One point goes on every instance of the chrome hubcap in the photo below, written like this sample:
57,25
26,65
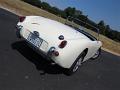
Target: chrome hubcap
96,54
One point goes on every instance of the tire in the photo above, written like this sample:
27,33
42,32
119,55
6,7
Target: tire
97,54
18,34
76,64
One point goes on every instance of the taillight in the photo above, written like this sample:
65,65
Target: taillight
21,18
63,44
56,53
61,37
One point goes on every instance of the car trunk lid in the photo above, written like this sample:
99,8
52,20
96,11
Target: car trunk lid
52,29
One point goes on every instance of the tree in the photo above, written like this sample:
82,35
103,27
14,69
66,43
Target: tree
78,12
101,26
34,2
70,11
101,23
45,6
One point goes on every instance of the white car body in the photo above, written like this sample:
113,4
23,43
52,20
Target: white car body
49,31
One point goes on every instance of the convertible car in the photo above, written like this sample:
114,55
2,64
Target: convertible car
62,44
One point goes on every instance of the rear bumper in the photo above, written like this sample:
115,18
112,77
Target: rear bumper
46,55
18,31
42,53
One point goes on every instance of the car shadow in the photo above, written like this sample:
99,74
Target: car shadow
41,63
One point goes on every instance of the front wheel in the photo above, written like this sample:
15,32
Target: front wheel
76,64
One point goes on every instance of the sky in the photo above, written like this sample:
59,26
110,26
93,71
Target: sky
107,10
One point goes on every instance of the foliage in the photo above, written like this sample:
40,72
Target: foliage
34,2
70,11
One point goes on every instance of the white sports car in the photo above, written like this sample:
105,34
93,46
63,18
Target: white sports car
60,43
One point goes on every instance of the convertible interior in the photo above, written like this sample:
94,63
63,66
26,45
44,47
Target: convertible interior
87,34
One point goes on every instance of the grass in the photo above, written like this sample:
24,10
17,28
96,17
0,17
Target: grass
23,8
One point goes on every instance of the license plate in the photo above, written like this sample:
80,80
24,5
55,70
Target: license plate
35,40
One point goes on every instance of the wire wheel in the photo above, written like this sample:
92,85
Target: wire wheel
97,54
76,64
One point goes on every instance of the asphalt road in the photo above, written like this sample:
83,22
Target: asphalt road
23,69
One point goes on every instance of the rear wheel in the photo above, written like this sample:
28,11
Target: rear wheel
97,54
76,64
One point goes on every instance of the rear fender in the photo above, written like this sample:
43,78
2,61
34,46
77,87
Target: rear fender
68,55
